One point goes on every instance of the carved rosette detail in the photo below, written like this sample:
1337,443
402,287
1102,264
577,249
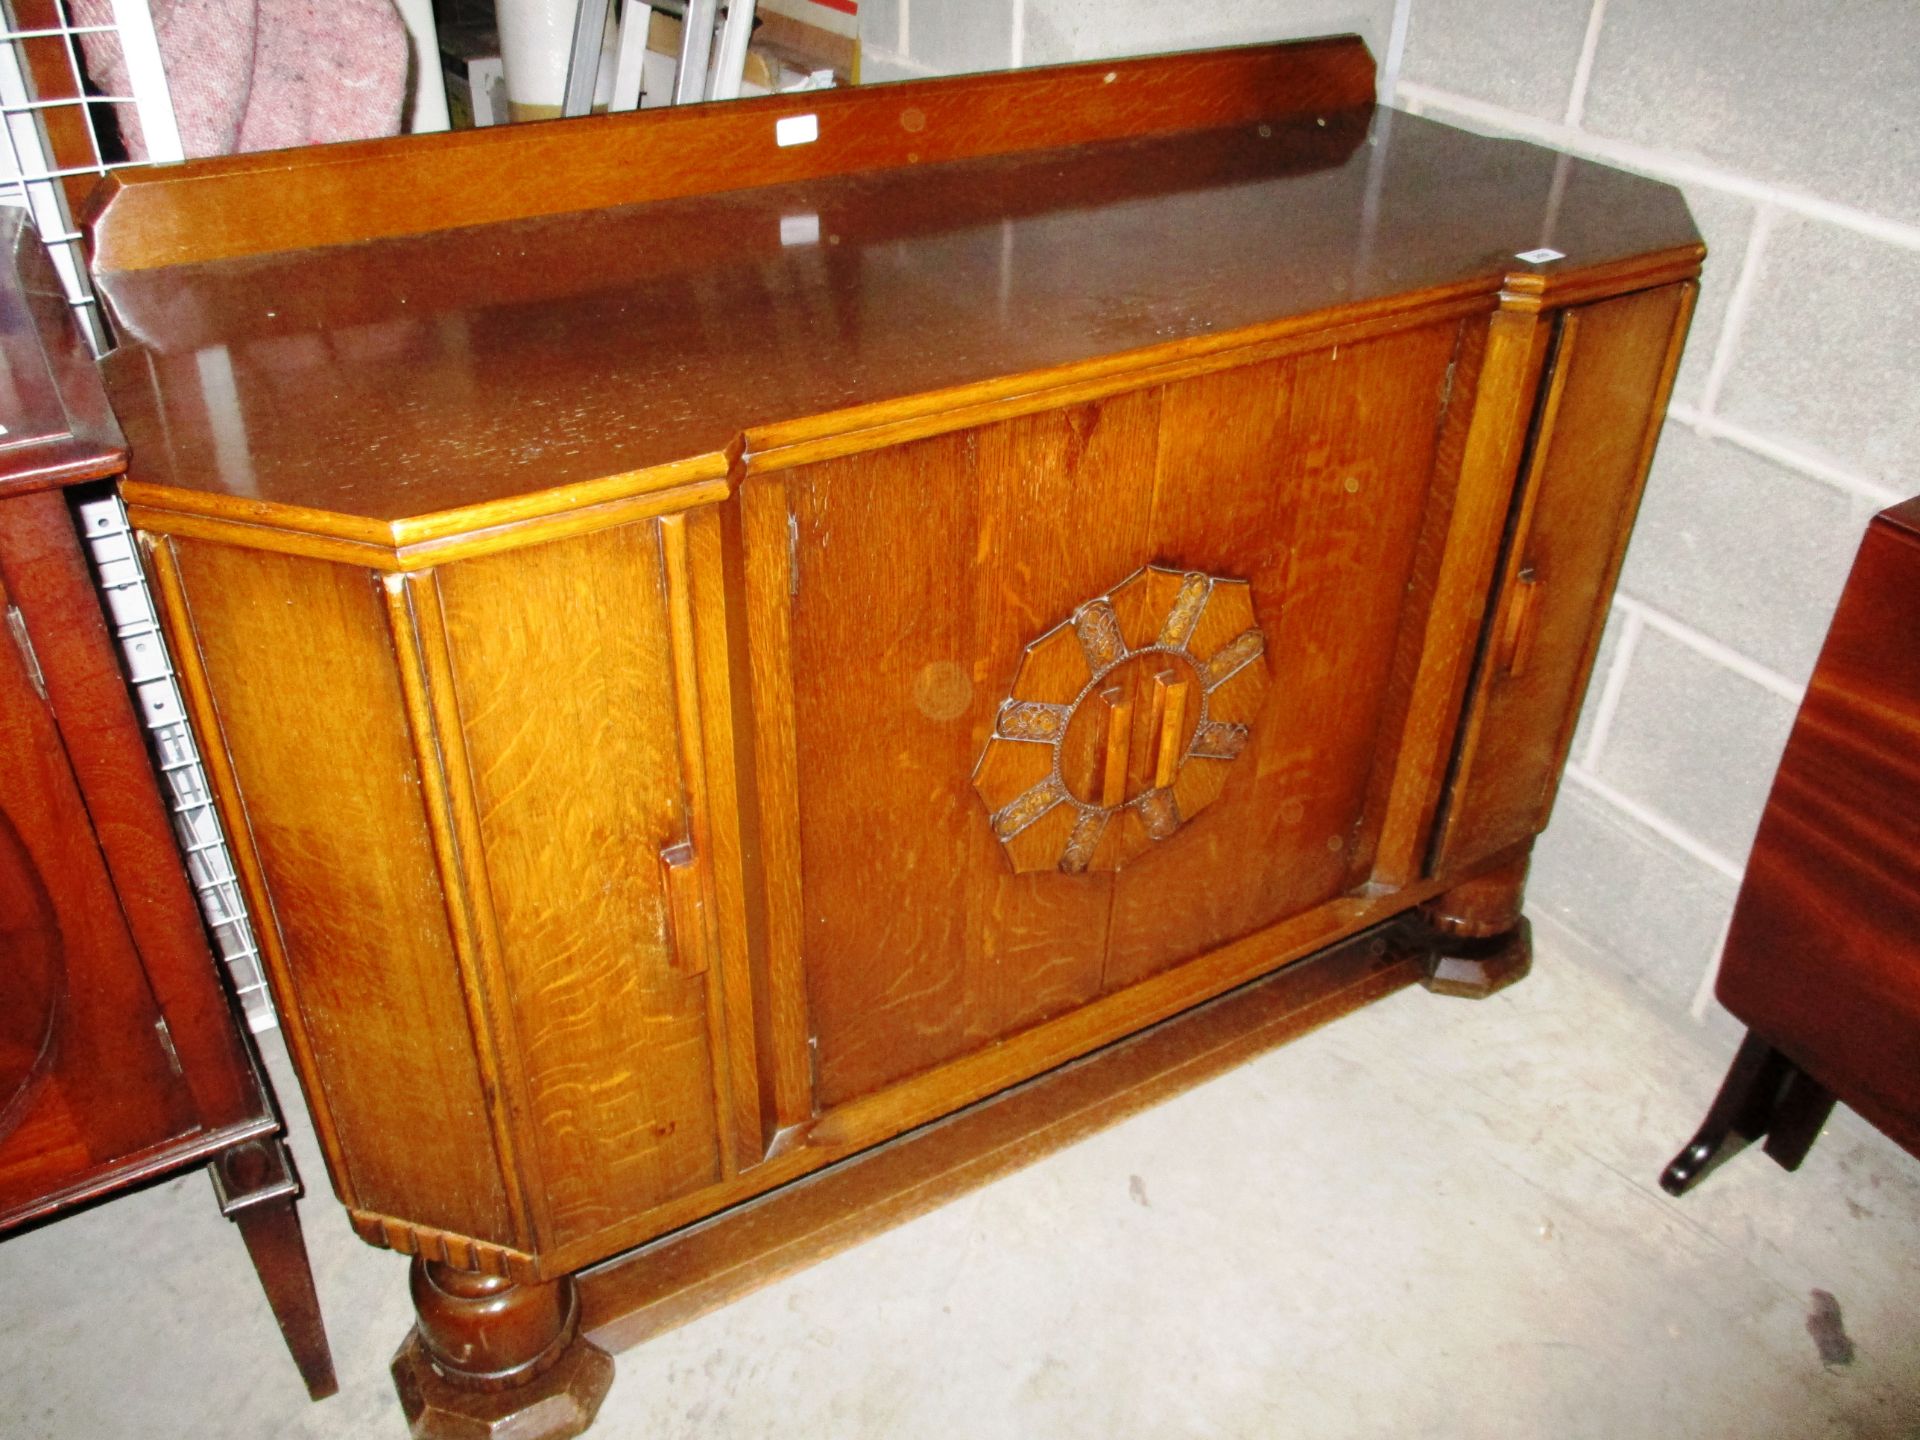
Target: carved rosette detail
1123,721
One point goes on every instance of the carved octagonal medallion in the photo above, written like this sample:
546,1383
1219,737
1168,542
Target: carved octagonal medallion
1123,720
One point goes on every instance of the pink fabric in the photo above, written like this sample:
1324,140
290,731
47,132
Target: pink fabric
263,74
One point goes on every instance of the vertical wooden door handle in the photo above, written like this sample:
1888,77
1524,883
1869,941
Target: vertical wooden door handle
686,908
1169,726
1523,620
1113,782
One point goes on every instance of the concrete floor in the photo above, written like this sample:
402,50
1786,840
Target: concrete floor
1431,1219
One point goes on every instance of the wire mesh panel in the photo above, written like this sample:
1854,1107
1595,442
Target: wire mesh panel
61,134
183,778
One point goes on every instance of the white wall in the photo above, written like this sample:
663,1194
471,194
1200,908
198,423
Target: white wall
901,38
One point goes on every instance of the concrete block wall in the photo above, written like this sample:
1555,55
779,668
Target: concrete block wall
1796,414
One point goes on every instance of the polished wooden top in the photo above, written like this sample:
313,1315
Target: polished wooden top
402,386
58,429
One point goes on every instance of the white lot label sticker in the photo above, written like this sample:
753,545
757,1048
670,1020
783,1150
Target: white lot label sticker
796,130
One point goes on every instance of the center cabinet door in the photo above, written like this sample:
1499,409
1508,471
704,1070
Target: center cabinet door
1080,695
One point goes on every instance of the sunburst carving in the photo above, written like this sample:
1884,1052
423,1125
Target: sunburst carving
1123,720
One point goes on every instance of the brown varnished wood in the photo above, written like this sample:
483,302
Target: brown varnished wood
44,571
857,1125
494,1357
1513,354
1062,517
664,568
102,1063
846,334
170,598
247,205
1310,481
854,666
1820,960
59,429
1036,517
329,801
1402,783
257,1187
576,802
1601,417
768,539
425,669
704,716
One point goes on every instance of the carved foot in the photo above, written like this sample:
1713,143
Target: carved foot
489,1359
1764,1095
256,1186
1474,969
1476,940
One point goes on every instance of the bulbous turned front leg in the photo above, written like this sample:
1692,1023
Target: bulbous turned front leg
1478,941
491,1359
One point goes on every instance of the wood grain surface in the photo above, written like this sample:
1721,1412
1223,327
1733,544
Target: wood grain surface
328,800
606,616
1821,959
626,348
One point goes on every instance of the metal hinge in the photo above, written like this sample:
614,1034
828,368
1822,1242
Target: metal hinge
17,623
166,1044
793,556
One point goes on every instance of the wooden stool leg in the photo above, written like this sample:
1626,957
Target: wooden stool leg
257,1187
492,1359
1477,940
1764,1095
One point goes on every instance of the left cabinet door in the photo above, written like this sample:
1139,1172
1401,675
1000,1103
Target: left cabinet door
86,1078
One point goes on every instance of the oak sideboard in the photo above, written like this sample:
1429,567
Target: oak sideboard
807,650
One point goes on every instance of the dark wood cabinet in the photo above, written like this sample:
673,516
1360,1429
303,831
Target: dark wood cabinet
744,650
1822,962
120,1057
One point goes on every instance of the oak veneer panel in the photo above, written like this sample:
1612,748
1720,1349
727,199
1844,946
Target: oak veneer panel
1064,516
879,802
564,676
1310,478
242,205
522,347
1599,420
906,638
308,699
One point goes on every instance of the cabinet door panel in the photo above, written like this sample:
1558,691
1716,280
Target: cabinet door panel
923,572
301,662
931,579
1309,478
564,674
84,1075
1601,411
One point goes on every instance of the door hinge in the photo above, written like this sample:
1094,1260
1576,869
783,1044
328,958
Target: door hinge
793,556
166,1043
17,623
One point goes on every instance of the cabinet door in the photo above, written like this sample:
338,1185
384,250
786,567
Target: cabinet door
1600,415
85,1076
475,797
995,642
